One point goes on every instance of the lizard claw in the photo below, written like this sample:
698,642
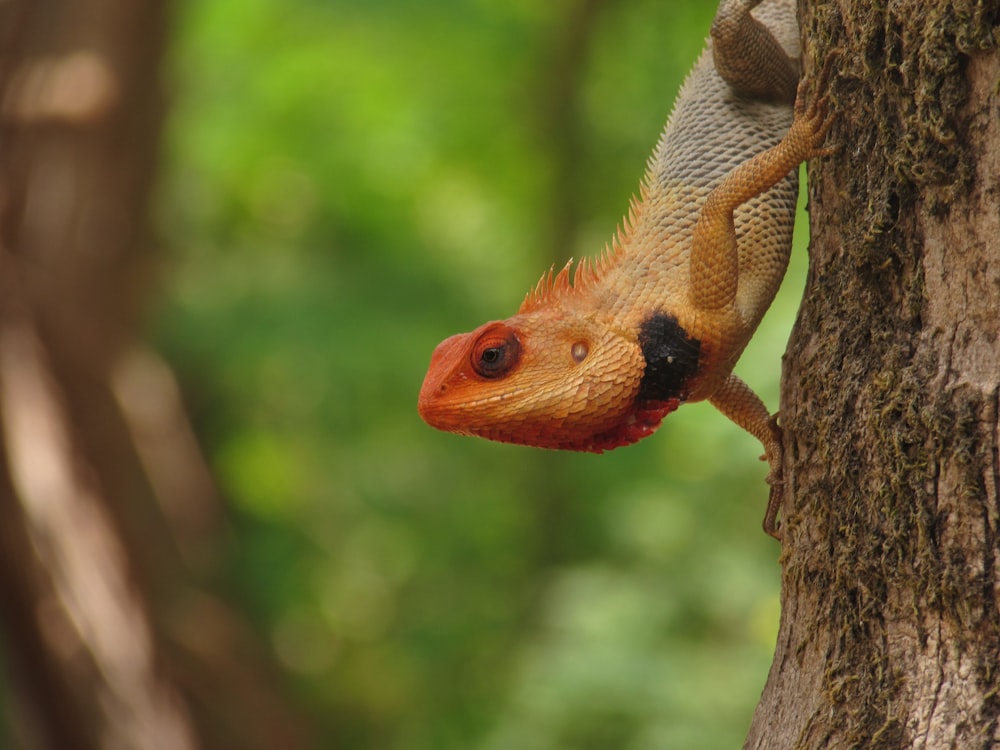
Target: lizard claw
776,479
812,112
771,526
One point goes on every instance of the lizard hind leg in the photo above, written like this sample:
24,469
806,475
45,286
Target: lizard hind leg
748,56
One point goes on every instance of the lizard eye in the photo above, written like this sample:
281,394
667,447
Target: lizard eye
495,353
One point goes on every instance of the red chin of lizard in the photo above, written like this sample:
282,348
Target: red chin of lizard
634,426
637,424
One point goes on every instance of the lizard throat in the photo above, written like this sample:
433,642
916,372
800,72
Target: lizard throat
671,362
640,423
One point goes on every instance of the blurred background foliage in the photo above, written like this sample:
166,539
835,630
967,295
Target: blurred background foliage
345,183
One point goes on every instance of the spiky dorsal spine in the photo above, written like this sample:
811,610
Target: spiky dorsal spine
589,271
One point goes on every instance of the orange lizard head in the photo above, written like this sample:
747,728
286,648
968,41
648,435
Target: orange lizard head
550,378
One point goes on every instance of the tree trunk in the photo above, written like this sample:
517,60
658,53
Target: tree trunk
890,627
107,511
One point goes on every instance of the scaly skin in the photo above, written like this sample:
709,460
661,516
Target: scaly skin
663,316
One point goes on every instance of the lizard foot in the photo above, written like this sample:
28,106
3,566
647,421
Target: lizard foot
776,479
813,119
771,526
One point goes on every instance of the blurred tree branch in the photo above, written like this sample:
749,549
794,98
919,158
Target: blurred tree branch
109,514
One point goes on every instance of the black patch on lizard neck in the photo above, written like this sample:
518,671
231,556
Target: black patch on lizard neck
671,358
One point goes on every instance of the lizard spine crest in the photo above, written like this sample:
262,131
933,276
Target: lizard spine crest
588,271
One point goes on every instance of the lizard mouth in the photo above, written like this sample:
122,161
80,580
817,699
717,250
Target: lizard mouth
449,370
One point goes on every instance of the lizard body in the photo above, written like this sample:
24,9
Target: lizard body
596,362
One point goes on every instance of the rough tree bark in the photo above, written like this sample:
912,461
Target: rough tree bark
108,515
890,629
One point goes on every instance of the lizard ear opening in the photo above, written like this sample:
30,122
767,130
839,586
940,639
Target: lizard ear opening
496,352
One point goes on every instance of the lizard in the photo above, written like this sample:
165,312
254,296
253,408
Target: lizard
597,361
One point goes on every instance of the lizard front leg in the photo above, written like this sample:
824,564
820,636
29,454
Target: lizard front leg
739,403
715,266
714,256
